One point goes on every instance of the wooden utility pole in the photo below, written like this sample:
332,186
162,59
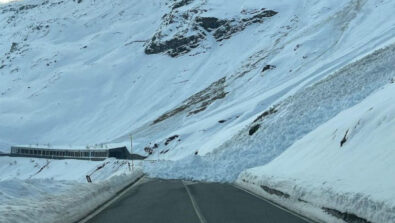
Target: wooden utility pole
131,151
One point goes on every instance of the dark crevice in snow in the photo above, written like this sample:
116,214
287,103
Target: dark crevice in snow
347,217
344,140
41,169
275,192
272,110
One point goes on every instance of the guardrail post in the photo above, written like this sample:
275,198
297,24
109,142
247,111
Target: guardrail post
88,178
129,167
131,151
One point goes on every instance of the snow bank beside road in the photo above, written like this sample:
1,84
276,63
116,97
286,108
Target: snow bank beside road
59,192
346,164
56,201
74,170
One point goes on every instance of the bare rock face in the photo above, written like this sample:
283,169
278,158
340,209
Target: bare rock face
178,33
210,23
235,25
199,101
185,27
177,46
181,3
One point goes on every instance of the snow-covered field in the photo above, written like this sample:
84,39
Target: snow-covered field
39,190
211,87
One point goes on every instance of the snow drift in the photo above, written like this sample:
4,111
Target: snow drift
345,164
48,191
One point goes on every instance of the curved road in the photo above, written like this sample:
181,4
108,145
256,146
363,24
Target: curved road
176,201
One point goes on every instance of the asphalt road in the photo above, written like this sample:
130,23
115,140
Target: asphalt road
175,201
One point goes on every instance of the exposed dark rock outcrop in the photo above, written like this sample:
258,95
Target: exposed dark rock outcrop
148,150
253,129
14,47
268,67
181,3
210,23
164,151
185,28
199,101
176,46
27,7
209,95
258,15
170,139
22,8
224,29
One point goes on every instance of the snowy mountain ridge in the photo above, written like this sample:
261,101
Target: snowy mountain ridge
211,87
94,84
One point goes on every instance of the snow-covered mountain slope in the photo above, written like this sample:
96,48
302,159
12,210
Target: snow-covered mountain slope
198,72
211,87
351,157
278,127
279,67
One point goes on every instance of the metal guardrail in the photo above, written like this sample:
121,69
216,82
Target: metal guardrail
139,158
57,157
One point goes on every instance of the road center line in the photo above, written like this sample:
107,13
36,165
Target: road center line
194,204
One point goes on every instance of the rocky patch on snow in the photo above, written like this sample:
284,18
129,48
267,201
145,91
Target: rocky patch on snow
224,29
162,147
185,28
179,4
268,67
199,101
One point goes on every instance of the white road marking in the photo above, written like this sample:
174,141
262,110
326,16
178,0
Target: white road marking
274,204
187,183
111,201
194,204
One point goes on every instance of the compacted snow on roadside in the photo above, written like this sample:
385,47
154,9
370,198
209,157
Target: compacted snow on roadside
39,190
346,164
